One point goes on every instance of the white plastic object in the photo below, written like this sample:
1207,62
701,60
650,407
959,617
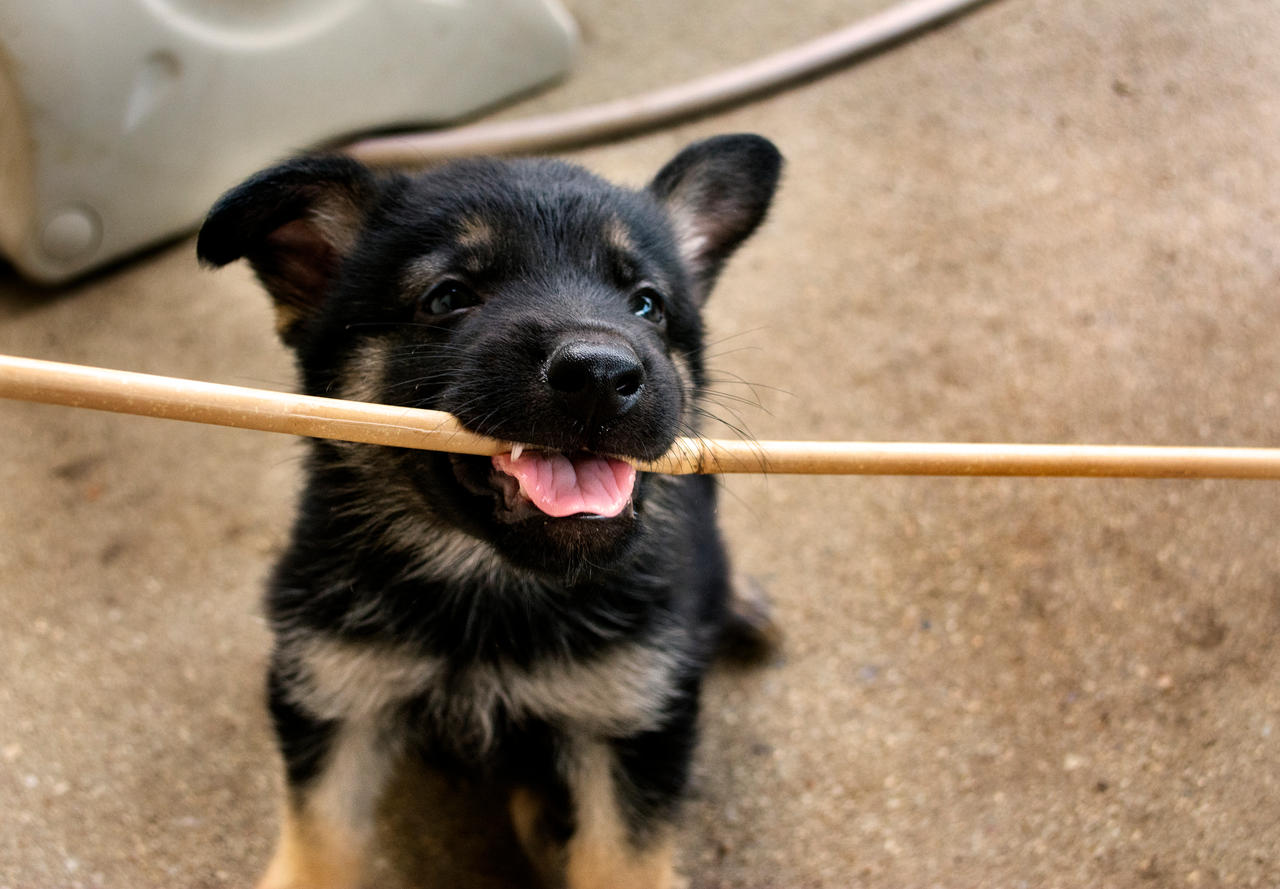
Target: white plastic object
122,120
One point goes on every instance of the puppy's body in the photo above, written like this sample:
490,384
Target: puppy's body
543,619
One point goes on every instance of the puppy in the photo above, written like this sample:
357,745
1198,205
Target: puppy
542,619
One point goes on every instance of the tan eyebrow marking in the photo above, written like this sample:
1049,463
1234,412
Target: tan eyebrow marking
475,263
422,272
621,250
617,235
477,243
475,234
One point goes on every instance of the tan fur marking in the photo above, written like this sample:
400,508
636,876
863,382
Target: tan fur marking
324,834
525,808
600,853
312,855
421,273
621,691
337,217
365,372
690,236
352,681
287,315
475,233
684,373
617,235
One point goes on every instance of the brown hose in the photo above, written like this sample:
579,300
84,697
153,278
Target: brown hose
616,118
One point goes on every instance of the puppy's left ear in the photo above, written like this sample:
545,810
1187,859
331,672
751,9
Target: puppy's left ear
294,223
717,192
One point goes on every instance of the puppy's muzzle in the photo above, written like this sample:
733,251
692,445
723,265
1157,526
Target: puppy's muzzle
594,381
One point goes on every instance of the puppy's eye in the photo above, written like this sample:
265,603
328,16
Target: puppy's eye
447,297
647,303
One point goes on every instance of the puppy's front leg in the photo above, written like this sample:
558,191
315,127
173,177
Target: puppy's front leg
615,845
335,772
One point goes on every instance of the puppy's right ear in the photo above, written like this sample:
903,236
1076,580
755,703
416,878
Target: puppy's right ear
294,223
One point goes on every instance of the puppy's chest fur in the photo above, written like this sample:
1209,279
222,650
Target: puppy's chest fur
620,690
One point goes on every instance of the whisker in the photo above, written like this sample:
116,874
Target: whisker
712,356
733,336
740,431
729,397
738,380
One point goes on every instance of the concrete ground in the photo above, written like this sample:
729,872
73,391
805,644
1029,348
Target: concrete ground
1046,222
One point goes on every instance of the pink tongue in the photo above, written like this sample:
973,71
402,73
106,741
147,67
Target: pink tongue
564,486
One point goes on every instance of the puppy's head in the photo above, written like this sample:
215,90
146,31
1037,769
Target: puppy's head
531,299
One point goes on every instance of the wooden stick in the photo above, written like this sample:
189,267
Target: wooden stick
925,458
51,382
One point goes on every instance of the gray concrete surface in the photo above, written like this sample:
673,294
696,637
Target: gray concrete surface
1047,222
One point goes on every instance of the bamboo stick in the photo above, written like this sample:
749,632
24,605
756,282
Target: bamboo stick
49,382
944,458
74,385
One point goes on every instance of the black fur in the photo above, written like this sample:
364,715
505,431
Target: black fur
539,304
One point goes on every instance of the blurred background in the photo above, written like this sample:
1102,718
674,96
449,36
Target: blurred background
1045,222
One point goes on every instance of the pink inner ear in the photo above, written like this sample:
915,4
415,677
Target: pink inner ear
691,237
299,263
296,234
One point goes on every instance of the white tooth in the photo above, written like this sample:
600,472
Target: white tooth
516,451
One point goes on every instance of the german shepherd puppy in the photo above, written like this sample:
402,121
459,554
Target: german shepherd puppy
544,618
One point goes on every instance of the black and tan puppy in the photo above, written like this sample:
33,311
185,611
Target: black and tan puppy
542,619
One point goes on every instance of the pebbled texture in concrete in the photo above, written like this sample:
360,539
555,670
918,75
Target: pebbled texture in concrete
1045,222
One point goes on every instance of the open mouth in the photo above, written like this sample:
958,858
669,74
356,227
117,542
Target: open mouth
561,484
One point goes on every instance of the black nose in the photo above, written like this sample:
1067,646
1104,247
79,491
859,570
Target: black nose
595,382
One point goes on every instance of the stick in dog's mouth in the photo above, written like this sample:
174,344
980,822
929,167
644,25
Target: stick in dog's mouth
561,484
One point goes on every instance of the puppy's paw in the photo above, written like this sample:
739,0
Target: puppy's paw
751,636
